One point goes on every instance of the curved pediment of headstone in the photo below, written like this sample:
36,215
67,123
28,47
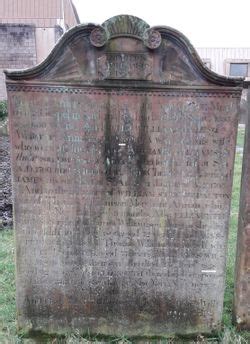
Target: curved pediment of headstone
124,48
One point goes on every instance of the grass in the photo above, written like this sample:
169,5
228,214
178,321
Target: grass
240,137
8,334
233,233
7,288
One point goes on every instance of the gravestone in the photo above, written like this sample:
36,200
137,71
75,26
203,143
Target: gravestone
122,156
242,272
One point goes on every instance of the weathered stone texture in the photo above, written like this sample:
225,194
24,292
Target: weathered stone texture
122,181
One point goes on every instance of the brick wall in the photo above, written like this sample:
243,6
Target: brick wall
17,49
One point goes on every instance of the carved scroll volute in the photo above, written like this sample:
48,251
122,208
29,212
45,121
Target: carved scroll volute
152,38
98,37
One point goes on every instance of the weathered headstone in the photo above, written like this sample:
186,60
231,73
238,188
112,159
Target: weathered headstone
242,272
122,155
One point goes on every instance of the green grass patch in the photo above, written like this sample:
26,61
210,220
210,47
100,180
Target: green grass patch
7,288
240,137
228,299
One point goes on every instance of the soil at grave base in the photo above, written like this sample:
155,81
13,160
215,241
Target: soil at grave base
5,184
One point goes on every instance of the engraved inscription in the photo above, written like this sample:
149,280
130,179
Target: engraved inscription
130,199
125,66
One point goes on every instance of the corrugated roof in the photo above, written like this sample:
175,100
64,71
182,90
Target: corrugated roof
42,13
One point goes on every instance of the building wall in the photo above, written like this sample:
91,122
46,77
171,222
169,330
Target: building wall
41,13
29,30
220,57
45,41
17,49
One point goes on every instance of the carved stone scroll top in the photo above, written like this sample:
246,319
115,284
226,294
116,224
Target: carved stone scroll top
151,38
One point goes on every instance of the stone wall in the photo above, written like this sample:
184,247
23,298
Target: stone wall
17,49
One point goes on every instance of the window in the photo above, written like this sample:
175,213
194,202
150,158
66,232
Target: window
238,69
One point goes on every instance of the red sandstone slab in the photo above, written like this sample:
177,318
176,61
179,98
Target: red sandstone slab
122,157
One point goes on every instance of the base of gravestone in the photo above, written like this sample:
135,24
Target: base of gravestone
38,337
75,339
45,329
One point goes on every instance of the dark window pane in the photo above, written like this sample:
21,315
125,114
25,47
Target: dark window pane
238,69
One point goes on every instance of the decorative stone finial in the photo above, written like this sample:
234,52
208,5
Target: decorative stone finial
126,26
